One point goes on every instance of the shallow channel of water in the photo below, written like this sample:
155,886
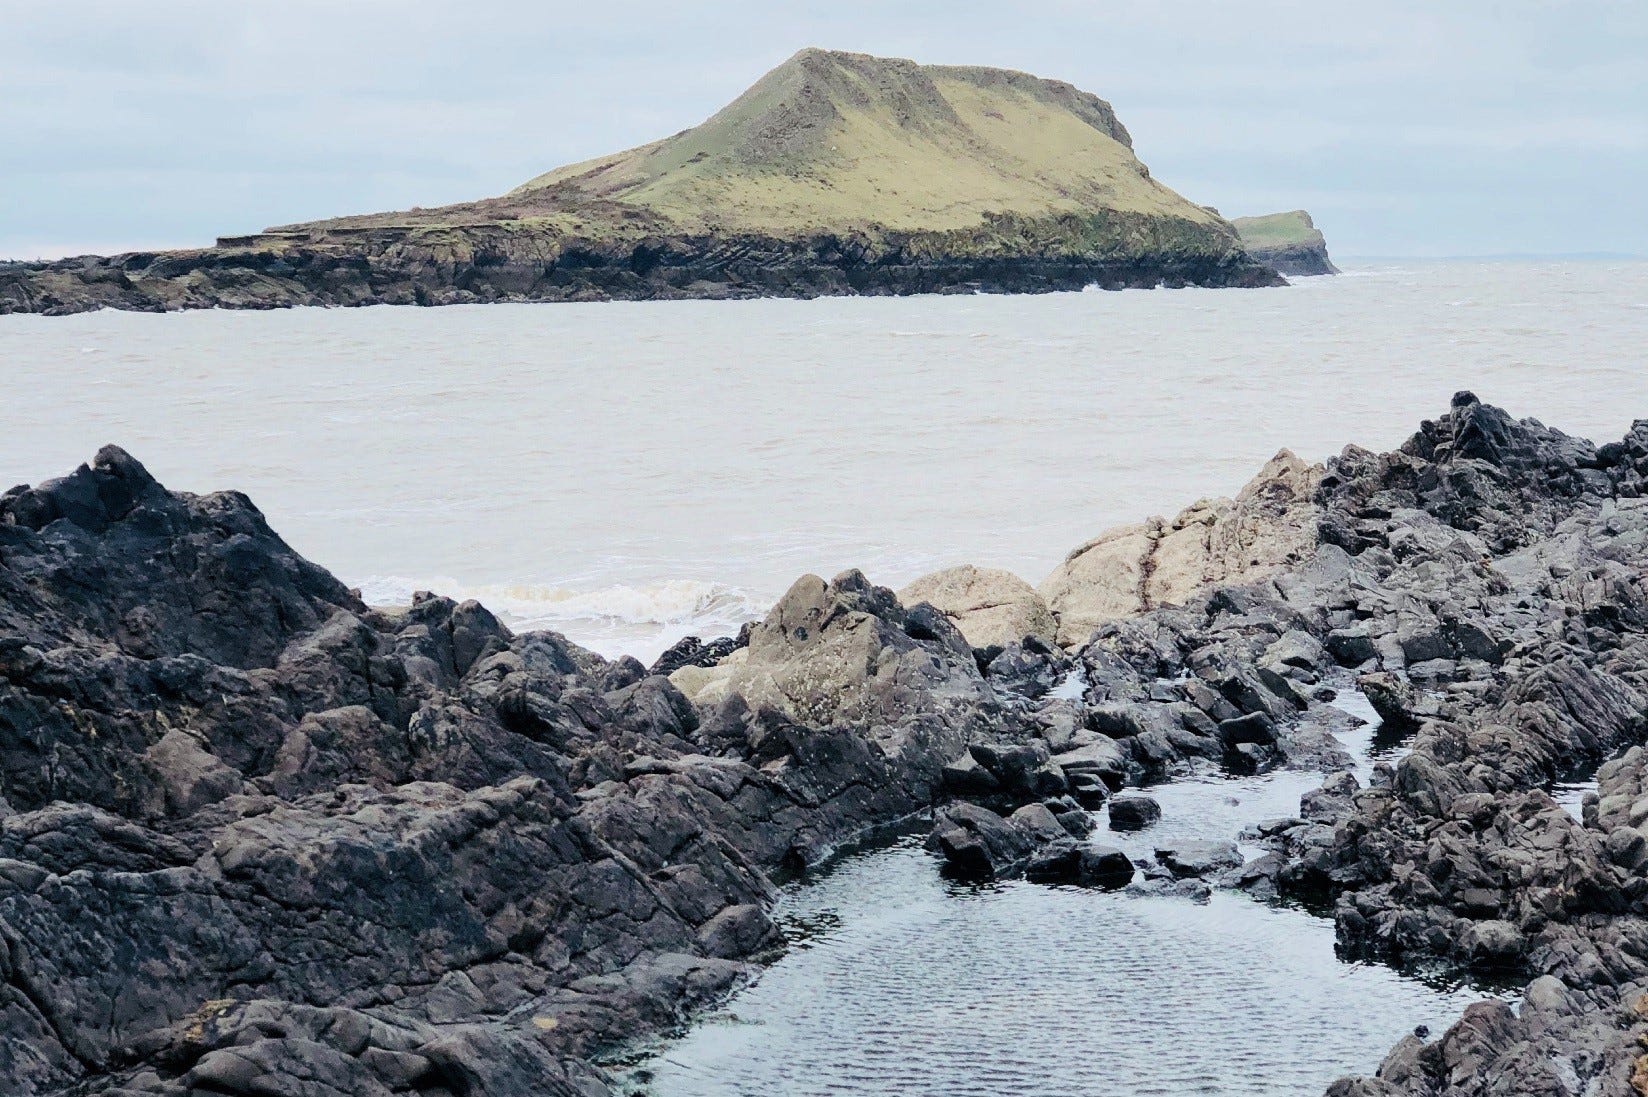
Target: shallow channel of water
900,982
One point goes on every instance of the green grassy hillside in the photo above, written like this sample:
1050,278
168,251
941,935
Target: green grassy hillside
1290,242
836,173
1279,230
828,140
844,142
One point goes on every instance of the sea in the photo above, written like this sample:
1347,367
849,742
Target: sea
630,473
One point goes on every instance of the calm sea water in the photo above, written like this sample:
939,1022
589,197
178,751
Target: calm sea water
631,472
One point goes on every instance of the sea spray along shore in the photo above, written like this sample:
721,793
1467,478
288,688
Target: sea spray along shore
259,837
621,619
836,173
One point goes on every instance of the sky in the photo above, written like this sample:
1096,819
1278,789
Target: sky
1407,129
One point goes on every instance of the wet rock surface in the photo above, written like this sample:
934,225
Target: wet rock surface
258,837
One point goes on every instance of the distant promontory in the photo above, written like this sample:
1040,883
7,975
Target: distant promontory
836,173
1290,242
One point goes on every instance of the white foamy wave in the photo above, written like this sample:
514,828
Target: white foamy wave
620,619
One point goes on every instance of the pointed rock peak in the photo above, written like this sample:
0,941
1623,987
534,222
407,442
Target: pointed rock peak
92,496
116,463
1287,474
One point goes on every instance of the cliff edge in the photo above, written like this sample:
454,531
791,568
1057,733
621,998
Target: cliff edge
1290,242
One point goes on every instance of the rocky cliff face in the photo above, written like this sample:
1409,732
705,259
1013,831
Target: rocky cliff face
835,173
256,837
1290,242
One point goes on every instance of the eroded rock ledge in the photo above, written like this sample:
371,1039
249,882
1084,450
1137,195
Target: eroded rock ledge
258,837
490,263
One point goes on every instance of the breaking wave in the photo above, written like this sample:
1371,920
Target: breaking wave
619,619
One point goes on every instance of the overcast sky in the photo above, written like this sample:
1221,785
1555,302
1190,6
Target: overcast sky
1460,128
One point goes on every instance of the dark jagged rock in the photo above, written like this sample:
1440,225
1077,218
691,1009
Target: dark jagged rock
1495,603
690,651
978,844
1198,859
1485,582
1133,812
1067,861
1029,668
1104,866
257,837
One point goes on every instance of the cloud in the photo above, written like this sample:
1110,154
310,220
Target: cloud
176,120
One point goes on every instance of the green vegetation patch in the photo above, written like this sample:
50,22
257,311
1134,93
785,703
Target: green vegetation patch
1279,230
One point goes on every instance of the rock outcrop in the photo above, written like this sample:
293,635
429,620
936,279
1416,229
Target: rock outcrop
1160,562
836,173
256,837
1484,584
1493,582
260,837
1290,242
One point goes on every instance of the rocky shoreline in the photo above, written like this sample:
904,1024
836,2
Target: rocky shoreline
258,837
487,265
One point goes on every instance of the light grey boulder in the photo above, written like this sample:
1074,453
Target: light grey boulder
990,606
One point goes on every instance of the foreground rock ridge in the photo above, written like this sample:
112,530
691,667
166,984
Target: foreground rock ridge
257,837
836,173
